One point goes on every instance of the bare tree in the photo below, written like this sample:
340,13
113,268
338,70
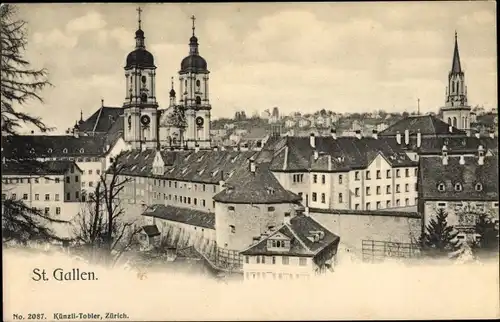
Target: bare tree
102,229
19,82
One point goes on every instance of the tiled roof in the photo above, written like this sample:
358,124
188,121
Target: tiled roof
455,144
433,172
296,153
38,146
380,212
33,167
259,187
151,230
102,120
427,124
182,215
298,230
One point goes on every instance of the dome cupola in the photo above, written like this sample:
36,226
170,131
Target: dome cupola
140,57
194,62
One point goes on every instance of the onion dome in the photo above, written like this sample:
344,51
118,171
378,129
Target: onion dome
194,62
140,57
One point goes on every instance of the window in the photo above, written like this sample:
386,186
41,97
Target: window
204,188
441,187
77,195
368,176
91,184
58,210
378,205
215,188
407,188
189,200
379,190
356,175
302,261
315,178
368,206
398,174
458,187
397,202
407,202
287,215
340,179
323,198
263,260
47,210
90,171
258,259
213,204
407,173
195,201
274,260
230,208
356,192
270,209
285,260
67,179
57,180
388,204
247,259
340,198
441,204
379,174
25,196
203,202
47,180
314,196
36,180
323,179
388,174
356,206
76,178
47,197
37,196
397,188
479,187
368,192
232,229
14,196
416,172
68,196
98,171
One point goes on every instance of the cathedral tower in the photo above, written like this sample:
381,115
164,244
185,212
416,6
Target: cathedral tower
193,95
456,111
140,106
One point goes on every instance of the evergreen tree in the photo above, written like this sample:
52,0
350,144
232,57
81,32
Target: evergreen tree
439,240
487,232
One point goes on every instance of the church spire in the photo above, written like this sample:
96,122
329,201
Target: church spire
172,91
139,34
456,67
193,41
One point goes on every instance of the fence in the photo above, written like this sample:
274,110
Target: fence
375,251
228,259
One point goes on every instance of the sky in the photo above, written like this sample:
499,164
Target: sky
344,57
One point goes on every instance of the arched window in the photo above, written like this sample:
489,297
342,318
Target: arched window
144,97
441,187
479,187
458,187
449,121
455,122
466,125
198,100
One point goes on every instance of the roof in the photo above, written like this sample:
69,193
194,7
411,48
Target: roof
33,167
182,215
298,230
454,144
456,67
259,187
427,124
433,172
151,230
340,154
102,120
398,212
141,58
53,146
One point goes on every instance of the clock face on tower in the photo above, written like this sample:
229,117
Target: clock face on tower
200,121
145,120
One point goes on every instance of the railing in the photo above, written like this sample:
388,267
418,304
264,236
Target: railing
375,251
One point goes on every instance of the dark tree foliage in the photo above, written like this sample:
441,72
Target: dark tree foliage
439,239
19,82
487,231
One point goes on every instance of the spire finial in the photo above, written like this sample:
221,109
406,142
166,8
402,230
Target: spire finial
102,102
193,18
81,115
456,35
418,106
139,10
172,81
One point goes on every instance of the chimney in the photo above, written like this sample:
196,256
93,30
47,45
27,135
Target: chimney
375,134
252,166
358,134
407,137
492,134
216,149
462,160
444,152
477,134
312,140
306,211
196,147
333,133
480,152
398,137
255,240
316,155
419,139
450,129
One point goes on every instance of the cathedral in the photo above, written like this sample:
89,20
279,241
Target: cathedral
184,124
456,111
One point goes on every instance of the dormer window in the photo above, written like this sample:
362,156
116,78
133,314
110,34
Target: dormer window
49,151
441,187
81,150
458,187
479,187
65,150
270,209
230,208
232,228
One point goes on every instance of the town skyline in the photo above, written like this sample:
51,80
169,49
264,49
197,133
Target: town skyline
272,59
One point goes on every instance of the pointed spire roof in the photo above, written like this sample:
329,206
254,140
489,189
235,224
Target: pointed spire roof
456,68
